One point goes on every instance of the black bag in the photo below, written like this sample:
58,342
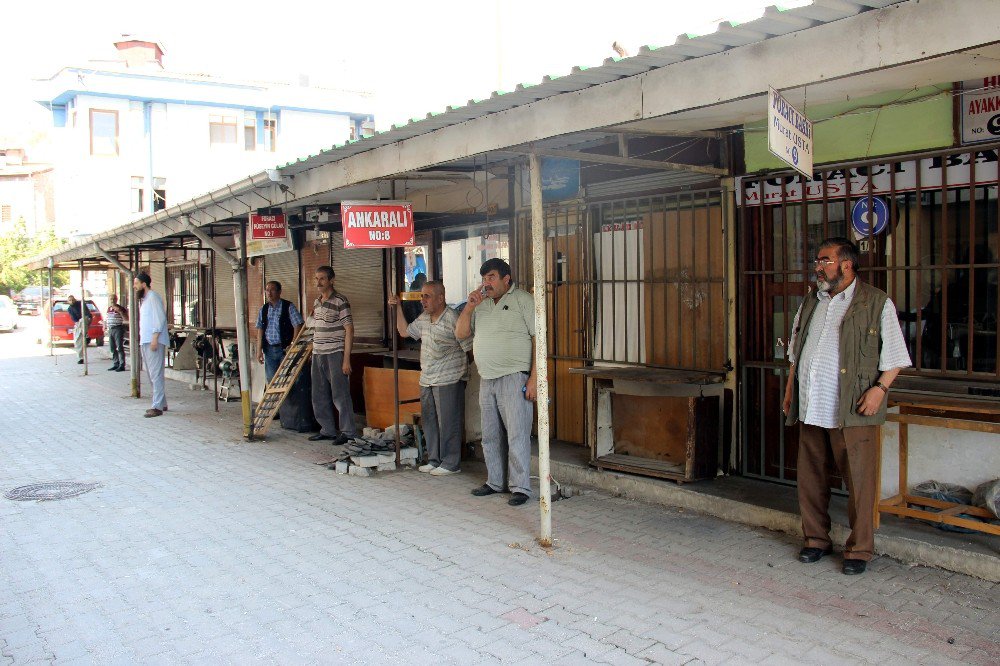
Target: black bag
296,411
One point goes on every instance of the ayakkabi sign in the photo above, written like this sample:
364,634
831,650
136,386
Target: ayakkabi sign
377,223
789,133
981,110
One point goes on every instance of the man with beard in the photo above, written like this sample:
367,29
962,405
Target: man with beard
444,370
845,351
502,318
153,339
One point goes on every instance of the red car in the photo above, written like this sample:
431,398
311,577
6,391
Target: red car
62,323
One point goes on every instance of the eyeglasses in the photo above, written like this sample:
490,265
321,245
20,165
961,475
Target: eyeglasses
825,262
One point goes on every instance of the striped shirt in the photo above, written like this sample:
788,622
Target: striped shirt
331,316
819,371
113,318
442,355
503,333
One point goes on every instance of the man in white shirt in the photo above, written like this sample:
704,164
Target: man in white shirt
845,351
153,339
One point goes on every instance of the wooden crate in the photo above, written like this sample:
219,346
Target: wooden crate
380,411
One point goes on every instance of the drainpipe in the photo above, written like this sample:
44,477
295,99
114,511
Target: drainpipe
133,319
147,124
541,349
83,317
242,330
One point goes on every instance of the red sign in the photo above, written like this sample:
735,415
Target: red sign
377,223
263,227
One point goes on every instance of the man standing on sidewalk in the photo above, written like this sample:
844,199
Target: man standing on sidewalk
80,322
278,322
502,318
114,326
153,339
444,369
333,339
845,351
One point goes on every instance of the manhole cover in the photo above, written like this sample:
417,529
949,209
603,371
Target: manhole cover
52,490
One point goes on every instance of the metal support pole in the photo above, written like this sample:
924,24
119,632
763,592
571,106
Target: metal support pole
83,317
133,329
541,349
391,254
48,306
133,316
242,332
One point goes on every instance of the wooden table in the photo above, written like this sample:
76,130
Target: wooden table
936,412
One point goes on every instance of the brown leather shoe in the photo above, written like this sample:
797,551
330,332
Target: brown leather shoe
150,413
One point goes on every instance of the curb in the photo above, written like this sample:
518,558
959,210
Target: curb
908,551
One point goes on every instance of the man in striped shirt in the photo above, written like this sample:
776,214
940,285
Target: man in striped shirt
443,374
114,324
845,351
333,338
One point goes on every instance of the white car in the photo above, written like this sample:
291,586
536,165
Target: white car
8,314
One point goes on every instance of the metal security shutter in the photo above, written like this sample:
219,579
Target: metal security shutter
284,267
158,274
359,277
225,300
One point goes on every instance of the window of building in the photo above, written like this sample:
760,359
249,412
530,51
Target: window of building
463,251
103,132
250,130
5,214
137,194
270,134
221,130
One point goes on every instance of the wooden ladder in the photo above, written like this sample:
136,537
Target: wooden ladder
296,357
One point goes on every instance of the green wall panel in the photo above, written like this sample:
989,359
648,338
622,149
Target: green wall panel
885,124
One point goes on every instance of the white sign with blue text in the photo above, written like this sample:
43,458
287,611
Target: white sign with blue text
789,134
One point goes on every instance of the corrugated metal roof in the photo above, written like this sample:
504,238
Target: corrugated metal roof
773,22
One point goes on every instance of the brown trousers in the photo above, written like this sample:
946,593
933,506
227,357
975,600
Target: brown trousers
854,452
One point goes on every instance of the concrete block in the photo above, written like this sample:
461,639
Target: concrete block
388,466
386,457
371,432
408,453
365,461
361,471
343,467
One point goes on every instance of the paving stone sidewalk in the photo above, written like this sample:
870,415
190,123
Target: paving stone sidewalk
201,548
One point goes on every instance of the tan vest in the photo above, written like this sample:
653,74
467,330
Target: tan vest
860,348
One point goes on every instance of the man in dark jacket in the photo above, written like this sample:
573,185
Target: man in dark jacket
846,349
278,322
80,323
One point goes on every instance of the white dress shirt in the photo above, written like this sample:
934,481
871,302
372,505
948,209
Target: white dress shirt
819,370
152,319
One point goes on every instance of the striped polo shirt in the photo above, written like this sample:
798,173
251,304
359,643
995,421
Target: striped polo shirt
503,333
442,355
819,367
331,316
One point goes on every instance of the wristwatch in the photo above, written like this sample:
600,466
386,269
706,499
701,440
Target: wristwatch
885,389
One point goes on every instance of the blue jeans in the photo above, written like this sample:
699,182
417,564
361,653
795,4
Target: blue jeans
273,354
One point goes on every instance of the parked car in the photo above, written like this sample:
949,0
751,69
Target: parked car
62,323
29,299
8,314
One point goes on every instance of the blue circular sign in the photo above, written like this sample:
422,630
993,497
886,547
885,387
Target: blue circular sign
872,221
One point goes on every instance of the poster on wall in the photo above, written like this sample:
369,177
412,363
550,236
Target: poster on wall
980,110
789,134
377,223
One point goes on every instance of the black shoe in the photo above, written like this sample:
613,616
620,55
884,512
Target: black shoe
517,499
318,437
854,567
113,368
341,439
80,362
484,490
810,555
121,368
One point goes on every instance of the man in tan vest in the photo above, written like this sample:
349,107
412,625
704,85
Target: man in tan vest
845,351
